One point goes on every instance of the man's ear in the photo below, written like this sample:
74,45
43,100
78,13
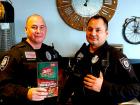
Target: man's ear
107,33
25,28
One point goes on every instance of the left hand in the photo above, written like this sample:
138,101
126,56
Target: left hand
93,83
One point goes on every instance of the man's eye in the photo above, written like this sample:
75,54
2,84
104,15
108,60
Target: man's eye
90,29
98,30
33,27
42,27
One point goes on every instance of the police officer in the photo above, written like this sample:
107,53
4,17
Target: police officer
18,69
102,75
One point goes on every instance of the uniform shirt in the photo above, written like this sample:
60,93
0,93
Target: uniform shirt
120,82
18,72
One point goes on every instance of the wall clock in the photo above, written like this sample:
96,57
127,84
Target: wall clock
76,13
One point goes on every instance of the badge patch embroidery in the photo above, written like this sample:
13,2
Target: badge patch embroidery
4,63
125,63
48,55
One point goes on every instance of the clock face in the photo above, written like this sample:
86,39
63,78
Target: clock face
76,13
87,8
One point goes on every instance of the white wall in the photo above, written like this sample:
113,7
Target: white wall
125,9
66,39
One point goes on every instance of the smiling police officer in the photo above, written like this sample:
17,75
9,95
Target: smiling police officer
102,75
18,69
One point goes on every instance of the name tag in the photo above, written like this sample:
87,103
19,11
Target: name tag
30,54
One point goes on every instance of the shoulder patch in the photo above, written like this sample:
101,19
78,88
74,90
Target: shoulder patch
125,63
48,55
4,63
80,56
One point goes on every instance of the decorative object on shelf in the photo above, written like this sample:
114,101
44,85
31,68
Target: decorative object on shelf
76,13
2,11
131,30
7,26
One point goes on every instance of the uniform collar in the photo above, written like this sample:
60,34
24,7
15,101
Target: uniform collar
101,48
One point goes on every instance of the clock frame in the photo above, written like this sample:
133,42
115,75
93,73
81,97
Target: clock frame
78,22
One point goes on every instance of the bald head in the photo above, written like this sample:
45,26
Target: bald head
34,16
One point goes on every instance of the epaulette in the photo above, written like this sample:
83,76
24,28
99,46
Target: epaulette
48,47
116,52
19,45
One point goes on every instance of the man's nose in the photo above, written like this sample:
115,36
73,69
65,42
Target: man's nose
93,33
38,30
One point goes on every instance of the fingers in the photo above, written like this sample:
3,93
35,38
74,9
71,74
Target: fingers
38,98
39,89
101,75
37,94
89,76
89,80
93,83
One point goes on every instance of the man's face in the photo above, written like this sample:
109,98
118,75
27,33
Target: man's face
36,30
96,33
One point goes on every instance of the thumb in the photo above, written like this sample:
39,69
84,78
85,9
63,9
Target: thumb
101,75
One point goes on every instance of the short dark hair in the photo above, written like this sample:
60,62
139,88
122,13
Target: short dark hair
99,17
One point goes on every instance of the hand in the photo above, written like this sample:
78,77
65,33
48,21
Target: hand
37,94
93,83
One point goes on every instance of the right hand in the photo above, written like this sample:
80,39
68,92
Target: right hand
93,83
37,94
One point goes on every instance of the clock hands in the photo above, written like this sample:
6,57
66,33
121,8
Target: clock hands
85,4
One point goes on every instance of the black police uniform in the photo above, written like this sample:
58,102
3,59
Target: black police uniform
18,72
118,75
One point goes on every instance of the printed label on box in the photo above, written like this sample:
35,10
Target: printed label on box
47,77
